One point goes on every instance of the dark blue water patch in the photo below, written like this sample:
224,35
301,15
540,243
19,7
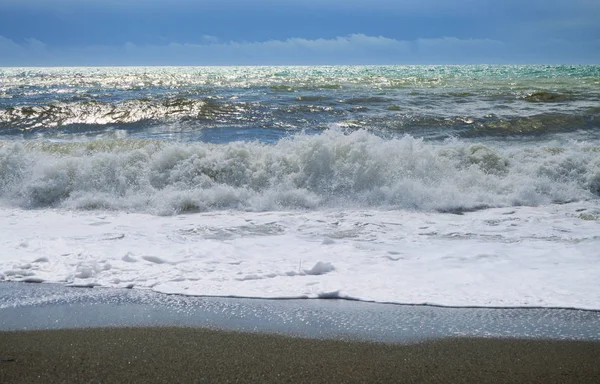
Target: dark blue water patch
150,130
224,134
266,132
48,306
75,131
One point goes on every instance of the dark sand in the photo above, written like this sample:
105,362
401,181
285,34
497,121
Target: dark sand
188,355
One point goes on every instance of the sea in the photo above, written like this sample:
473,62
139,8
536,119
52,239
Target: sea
448,185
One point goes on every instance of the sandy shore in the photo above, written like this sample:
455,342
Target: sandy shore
187,355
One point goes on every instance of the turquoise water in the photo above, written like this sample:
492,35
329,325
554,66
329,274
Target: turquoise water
222,104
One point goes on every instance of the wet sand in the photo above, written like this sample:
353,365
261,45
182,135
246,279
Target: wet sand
189,355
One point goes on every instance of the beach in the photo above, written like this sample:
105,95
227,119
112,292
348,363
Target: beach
50,333
187,355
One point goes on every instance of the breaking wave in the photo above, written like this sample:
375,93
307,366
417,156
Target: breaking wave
333,169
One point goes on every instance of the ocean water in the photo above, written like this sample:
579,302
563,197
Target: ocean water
451,185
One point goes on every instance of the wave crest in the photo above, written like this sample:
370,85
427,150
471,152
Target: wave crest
329,170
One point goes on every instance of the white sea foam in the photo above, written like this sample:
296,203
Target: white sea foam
522,256
334,169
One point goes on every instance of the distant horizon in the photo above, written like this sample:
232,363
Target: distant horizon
300,65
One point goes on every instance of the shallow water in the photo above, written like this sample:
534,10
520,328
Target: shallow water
48,306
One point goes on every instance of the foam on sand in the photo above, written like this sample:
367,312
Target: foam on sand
519,256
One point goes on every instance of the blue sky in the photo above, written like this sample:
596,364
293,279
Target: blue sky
281,32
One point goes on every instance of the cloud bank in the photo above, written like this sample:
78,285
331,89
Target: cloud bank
351,49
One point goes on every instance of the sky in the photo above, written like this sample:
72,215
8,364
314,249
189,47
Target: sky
298,32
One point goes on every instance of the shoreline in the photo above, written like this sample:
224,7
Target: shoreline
52,306
52,333
161,354
34,282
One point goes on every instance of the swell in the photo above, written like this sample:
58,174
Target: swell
332,169
387,117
